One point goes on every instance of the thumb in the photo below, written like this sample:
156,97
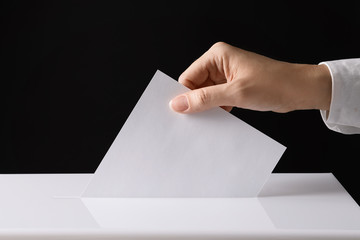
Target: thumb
199,99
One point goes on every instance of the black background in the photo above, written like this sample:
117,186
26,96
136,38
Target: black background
73,71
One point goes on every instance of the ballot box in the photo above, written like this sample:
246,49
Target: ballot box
289,206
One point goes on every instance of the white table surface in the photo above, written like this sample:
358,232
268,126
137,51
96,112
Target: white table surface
290,206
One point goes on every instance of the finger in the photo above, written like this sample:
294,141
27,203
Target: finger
204,71
196,74
200,99
227,108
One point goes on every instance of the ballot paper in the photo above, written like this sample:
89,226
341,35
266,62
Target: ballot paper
161,153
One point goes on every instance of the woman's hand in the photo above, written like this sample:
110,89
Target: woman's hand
227,76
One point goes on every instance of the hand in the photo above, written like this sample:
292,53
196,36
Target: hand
227,76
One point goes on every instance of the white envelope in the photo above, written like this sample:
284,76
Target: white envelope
160,153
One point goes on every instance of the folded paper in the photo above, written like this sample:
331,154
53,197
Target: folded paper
160,153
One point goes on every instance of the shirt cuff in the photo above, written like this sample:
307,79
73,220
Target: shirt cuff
344,114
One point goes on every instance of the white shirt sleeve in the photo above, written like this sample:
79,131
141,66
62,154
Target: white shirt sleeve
344,113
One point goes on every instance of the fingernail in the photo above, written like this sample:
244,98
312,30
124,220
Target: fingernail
179,104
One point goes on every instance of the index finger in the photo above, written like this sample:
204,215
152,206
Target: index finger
205,71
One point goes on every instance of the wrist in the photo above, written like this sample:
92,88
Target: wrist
316,87
323,86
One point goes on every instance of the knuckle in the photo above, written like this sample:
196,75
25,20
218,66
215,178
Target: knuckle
220,47
203,97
